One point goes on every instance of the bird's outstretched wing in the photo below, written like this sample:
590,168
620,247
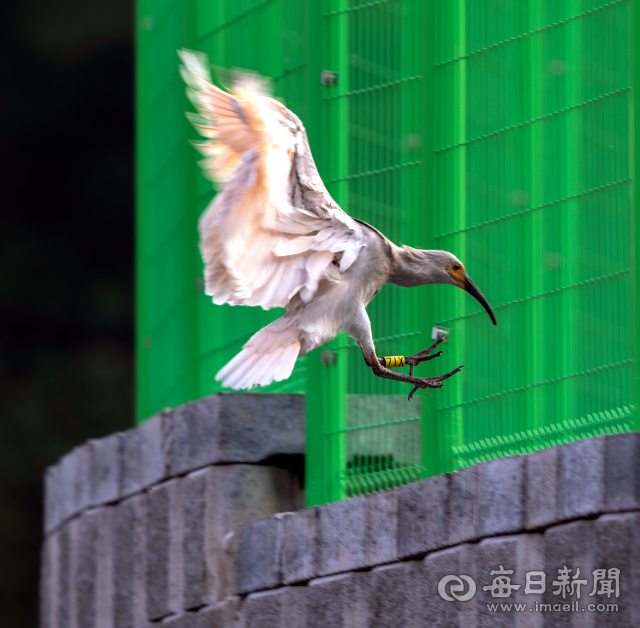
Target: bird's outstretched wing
273,230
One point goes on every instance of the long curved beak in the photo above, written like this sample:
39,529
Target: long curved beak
472,289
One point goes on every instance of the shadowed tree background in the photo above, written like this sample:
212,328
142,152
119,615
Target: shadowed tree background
66,257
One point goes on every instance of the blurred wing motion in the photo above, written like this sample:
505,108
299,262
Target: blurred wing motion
270,235
273,229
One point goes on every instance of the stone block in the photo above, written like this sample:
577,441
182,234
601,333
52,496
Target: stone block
454,562
163,550
518,554
332,601
381,541
245,492
143,458
422,516
569,545
388,596
180,620
463,505
622,472
68,488
126,577
214,501
49,576
86,568
258,426
104,583
104,469
194,500
279,608
294,608
230,427
264,609
225,614
80,470
258,554
342,535
65,603
581,478
192,435
617,539
541,487
500,494
53,497
298,551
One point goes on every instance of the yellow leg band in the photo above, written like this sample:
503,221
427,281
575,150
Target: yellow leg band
395,360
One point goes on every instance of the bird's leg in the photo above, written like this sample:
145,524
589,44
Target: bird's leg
379,368
360,329
418,382
423,356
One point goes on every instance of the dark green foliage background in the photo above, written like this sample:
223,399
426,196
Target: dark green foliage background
66,254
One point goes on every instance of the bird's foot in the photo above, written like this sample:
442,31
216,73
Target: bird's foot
433,382
413,361
423,356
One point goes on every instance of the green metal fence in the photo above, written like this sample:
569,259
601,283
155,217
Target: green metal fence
368,436
533,190
501,130
182,338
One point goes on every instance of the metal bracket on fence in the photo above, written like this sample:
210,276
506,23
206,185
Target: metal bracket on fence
438,331
329,358
329,79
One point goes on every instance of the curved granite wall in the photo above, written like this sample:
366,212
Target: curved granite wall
171,524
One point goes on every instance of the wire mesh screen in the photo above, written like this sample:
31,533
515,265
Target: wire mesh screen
533,194
182,338
270,37
375,108
513,155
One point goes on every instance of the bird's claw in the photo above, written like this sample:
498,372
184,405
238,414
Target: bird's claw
423,356
414,360
433,382
380,369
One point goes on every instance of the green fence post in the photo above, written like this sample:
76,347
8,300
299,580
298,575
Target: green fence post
533,398
327,367
635,193
326,419
431,430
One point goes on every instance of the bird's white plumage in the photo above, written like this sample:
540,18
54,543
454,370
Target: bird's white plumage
270,235
272,230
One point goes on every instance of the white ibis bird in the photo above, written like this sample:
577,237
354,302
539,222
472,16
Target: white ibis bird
274,237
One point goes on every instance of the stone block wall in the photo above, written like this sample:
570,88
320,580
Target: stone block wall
379,561
225,543
139,525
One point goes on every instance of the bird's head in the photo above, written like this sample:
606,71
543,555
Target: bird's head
445,268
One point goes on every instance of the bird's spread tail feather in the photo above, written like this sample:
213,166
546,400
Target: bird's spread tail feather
269,356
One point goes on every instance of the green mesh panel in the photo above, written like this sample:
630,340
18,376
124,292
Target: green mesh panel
500,130
532,171
183,339
373,118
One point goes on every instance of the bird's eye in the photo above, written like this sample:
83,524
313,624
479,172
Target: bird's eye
456,267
